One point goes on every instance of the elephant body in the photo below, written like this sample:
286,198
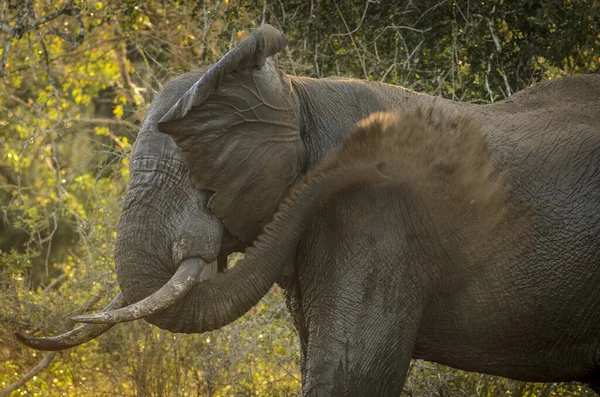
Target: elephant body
548,139
496,273
360,272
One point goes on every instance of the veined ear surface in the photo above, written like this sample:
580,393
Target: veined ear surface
238,130
251,53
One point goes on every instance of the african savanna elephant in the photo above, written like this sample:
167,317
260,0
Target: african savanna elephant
472,240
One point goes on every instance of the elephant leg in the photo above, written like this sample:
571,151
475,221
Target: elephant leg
369,361
360,349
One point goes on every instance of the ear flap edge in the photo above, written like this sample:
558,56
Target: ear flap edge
264,42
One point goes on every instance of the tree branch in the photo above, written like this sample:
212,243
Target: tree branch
20,27
116,122
32,372
499,50
66,8
128,85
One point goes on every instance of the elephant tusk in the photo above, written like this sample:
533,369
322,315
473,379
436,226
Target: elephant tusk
184,278
75,337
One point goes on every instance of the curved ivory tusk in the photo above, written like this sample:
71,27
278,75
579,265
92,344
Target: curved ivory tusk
75,337
184,278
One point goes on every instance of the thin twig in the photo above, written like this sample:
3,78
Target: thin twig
499,50
206,30
3,12
55,281
264,12
97,120
358,53
5,54
357,26
49,239
494,37
487,83
130,88
67,7
89,303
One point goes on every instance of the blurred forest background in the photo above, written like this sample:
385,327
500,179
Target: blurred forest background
76,77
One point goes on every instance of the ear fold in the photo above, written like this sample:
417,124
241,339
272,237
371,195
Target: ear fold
251,53
238,130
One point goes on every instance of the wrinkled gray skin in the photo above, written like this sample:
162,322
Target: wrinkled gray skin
364,294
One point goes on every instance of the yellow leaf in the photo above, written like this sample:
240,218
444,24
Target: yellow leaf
118,112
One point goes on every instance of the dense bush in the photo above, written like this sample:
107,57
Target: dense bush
75,79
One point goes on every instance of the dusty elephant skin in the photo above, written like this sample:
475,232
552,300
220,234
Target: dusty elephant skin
481,251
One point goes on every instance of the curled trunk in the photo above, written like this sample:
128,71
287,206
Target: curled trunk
216,302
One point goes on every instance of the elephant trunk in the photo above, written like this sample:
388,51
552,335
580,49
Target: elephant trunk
216,302
166,238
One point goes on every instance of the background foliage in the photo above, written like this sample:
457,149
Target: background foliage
75,79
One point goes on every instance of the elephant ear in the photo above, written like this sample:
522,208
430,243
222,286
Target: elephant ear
252,52
238,130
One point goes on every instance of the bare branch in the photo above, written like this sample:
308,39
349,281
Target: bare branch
15,31
494,37
130,88
116,122
264,12
487,83
67,8
55,281
32,372
499,50
3,12
5,28
358,26
5,54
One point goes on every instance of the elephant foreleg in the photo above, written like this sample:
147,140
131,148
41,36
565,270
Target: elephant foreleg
360,348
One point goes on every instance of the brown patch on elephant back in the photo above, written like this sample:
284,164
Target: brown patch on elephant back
442,161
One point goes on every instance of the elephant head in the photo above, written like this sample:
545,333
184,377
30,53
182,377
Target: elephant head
218,151
239,135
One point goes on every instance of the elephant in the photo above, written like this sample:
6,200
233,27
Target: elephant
409,226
